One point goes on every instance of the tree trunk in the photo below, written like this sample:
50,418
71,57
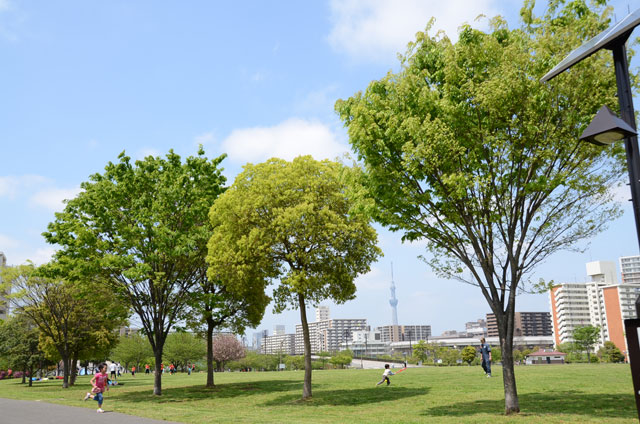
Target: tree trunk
157,380
74,370
66,365
511,404
210,382
505,329
24,374
306,390
31,376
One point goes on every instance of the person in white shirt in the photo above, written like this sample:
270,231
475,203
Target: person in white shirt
385,375
112,368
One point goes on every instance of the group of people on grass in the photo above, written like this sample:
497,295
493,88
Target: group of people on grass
100,381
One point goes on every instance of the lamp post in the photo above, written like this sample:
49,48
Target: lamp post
365,344
607,128
280,355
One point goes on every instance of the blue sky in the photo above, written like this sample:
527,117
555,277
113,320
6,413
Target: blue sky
81,81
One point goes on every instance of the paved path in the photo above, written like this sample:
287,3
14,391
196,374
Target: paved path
33,412
368,364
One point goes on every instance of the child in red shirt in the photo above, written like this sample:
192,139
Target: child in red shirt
99,383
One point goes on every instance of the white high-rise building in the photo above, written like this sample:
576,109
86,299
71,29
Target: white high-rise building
328,335
279,344
279,330
399,333
630,269
4,304
322,313
601,302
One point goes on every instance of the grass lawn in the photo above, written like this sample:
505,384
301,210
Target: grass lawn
598,393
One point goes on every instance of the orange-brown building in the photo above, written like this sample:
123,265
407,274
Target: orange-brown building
602,302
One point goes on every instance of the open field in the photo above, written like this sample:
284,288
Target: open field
550,394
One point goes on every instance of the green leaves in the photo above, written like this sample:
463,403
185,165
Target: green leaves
463,147
291,221
142,228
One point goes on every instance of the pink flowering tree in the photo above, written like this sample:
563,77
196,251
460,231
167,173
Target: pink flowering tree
226,348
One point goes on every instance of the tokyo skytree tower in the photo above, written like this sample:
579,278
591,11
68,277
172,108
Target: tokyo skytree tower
393,301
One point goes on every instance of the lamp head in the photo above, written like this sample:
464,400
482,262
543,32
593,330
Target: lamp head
606,128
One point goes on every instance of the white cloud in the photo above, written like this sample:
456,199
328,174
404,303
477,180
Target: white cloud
375,30
20,255
42,255
53,198
4,5
11,185
318,102
7,242
287,140
373,280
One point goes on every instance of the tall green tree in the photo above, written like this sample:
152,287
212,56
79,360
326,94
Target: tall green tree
421,350
465,149
586,337
19,345
292,222
142,229
73,318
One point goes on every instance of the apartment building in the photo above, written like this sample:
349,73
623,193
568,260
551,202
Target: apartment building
476,328
367,343
322,313
630,269
398,333
601,302
326,336
279,344
526,324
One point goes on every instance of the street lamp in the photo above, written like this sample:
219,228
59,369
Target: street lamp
607,128
280,355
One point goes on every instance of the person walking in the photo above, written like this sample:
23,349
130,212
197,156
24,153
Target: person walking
146,368
113,368
385,375
99,383
485,352
133,371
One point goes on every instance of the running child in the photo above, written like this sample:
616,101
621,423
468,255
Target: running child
133,371
99,383
385,375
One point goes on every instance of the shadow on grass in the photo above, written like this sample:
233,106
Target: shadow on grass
190,393
603,405
348,397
